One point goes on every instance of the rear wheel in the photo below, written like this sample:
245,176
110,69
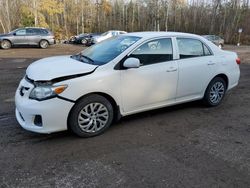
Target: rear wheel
5,44
91,116
215,92
43,44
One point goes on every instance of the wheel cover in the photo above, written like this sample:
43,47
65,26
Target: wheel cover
84,41
44,44
217,92
5,44
93,117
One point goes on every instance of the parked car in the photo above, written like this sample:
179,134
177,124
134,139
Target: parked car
84,39
120,76
215,39
27,36
90,38
106,35
79,39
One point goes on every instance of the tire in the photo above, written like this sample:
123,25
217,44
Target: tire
5,44
43,44
215,92
220,46
91,116
84,41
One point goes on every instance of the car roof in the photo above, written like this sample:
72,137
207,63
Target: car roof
34,28
152,34
116,31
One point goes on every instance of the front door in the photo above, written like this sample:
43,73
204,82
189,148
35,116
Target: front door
20,37
154,83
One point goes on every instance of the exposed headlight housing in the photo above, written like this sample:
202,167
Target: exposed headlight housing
46,92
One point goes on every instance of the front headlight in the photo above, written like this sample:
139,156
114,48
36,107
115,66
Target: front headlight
46,92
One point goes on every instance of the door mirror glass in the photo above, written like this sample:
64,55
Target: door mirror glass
131,63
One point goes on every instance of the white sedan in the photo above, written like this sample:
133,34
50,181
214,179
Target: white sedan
120,76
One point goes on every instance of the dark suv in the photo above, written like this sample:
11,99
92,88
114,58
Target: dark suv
27,36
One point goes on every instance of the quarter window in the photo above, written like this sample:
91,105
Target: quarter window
189,48
155,51
206,50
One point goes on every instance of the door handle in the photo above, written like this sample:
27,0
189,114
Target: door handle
210,63
172,69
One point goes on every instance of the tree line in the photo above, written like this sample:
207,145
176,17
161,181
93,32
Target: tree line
70,17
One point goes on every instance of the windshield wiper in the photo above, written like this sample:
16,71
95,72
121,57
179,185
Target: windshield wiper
79,57
88,58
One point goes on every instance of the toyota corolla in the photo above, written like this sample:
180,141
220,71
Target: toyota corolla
120,76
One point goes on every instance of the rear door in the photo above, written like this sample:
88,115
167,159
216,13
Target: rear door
196,66
33,36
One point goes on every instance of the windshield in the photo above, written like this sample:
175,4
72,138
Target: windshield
103,52
105,33
13,31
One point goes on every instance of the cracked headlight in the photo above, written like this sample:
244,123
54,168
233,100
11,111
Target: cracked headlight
46,92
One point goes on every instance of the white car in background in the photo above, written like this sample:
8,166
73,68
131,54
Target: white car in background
120,76
106,35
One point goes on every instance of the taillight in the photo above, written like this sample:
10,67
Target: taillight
238,61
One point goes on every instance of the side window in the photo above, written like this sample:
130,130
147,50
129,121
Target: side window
21,32
189,48
30,32
216,38
155,51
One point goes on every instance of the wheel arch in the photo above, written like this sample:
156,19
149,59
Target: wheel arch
42,40
117,113
224,77
221,75
7,40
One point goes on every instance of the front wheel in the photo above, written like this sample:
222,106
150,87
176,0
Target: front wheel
5,44
215,92
91,116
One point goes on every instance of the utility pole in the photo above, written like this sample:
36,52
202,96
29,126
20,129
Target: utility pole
98,14
35,12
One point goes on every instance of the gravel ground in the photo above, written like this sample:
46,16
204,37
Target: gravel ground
187,145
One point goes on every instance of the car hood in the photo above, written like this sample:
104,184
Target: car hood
4,35
57,67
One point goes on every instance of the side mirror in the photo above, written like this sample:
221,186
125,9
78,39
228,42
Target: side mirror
14,34
131,62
